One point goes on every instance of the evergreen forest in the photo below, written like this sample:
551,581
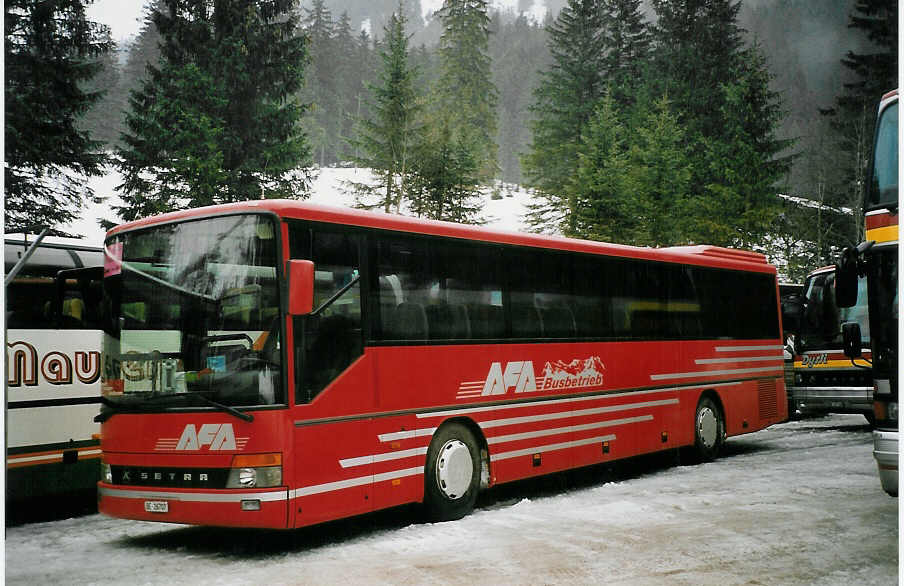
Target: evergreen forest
649,122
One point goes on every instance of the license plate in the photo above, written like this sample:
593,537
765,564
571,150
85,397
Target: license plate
156,506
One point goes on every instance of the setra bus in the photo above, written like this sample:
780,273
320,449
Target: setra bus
279,364
877,258
824,379
53,343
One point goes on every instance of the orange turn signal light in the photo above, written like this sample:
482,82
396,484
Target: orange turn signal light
256,460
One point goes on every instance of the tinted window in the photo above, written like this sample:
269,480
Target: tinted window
330,339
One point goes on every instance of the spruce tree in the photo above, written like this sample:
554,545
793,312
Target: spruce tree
214,121
444,182
465,87
320,89
385,139
51,50
563,104
853,119
628,44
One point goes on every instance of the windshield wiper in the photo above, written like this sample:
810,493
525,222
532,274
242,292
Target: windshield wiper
143,406
226,408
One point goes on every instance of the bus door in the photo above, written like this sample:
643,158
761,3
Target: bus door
334,398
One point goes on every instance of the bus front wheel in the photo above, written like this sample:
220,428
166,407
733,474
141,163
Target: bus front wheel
452,475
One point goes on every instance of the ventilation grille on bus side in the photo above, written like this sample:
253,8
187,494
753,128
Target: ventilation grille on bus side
768,398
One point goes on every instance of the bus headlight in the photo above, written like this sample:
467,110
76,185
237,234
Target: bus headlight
255,471
106,472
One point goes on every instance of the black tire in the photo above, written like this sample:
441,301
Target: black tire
709,430
449,490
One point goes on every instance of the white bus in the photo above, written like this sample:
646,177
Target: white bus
53,341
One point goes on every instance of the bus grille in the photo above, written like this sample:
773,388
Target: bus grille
768,398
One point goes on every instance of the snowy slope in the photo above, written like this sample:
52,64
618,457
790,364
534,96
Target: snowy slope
328,189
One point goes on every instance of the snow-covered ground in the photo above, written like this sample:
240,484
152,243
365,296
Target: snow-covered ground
798,503
328,189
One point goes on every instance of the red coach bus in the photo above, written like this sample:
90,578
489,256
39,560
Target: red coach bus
279,364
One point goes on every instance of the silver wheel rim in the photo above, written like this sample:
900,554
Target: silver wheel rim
707,427
454,469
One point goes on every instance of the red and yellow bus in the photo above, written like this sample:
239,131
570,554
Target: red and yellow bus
279,364
878,258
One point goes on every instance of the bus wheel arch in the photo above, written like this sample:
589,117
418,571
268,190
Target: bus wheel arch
709,427
455,468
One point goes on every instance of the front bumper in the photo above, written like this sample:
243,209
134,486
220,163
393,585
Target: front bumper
885,451
814,400
222,508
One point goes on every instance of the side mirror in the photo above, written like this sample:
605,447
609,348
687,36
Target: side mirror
301,287
846,278
852,341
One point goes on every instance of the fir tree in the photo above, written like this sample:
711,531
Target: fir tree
320,89
563,104
51,50
444,182
213,122
628,44
386,138
853,120
465,87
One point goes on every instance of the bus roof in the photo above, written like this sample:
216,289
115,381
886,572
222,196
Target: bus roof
293,209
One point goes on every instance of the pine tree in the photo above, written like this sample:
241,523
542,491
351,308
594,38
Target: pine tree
854,117
720,90
465,87
320,89
628,44
597,205
659,185
563,104
444,181
213,122
51,50
386,138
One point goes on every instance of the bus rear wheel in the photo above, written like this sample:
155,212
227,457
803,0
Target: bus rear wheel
452,475
709,431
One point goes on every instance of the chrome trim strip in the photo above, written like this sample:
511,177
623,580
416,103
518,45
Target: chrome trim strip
409,434
551,448
671,375
571,428
739,359
746,348
384,457
352,482
192,497
564,414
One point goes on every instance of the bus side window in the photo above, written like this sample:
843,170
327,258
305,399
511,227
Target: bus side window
327,342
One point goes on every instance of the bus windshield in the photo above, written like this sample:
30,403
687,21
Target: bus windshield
821,326
192,315
884,186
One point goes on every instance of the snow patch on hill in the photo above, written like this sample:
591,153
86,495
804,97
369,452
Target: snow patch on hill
329,188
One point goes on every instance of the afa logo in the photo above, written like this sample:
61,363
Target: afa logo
213,436
518,376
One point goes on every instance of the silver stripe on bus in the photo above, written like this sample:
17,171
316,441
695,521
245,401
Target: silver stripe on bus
596,397
352,482
551,448
579,413
388,456
571,428
409,434
713,372
195,497
739,359
384,457
746,348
